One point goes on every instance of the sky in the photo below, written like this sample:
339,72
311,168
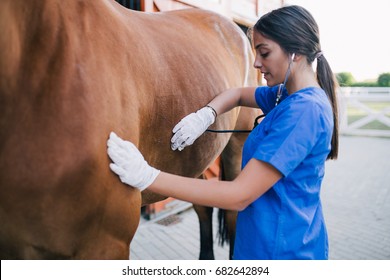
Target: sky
354,34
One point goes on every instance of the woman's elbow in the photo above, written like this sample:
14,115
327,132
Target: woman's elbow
236,200
240,205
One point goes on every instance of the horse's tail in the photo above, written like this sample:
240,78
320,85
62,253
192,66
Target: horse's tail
223,231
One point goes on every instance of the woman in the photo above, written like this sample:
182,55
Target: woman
278,191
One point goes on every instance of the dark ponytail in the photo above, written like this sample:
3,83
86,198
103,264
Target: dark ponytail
296,31
328,83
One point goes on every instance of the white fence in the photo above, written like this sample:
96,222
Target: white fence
371,103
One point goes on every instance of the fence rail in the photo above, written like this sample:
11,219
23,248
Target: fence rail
360,107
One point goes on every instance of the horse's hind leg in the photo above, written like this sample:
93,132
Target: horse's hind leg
205,215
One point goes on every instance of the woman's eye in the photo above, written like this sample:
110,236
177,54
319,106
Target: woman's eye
264,55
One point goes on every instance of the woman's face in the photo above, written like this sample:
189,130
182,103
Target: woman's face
270,59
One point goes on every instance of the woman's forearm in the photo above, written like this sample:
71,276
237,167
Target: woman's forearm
253,181
213,193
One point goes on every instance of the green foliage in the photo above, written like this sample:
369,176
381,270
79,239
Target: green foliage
384,80
364,84
345,79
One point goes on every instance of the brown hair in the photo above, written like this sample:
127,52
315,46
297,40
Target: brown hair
296,31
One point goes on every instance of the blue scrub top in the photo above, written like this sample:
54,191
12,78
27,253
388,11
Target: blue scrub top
295,137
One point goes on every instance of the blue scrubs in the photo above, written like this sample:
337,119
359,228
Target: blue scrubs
295,137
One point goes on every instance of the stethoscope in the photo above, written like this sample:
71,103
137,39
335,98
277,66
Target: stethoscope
256,122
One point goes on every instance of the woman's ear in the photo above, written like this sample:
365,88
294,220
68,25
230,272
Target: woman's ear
296,57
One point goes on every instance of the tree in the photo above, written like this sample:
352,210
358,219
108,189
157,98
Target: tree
345,79
384,80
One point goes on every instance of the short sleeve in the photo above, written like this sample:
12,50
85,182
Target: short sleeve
266,97
292,136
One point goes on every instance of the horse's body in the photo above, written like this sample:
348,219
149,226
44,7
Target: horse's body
71,72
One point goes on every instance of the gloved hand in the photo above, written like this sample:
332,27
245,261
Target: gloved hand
129,164
191,127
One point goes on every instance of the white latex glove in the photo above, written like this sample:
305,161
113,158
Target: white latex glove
191,127
129,164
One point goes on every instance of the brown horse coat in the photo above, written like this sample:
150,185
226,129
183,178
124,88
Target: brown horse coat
71,72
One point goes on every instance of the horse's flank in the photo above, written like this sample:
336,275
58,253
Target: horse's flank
71,72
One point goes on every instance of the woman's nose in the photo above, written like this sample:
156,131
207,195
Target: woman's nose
257,64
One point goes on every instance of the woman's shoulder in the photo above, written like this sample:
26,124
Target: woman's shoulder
312,102
312,96
310,92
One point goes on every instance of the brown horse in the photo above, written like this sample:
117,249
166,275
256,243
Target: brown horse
64,86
